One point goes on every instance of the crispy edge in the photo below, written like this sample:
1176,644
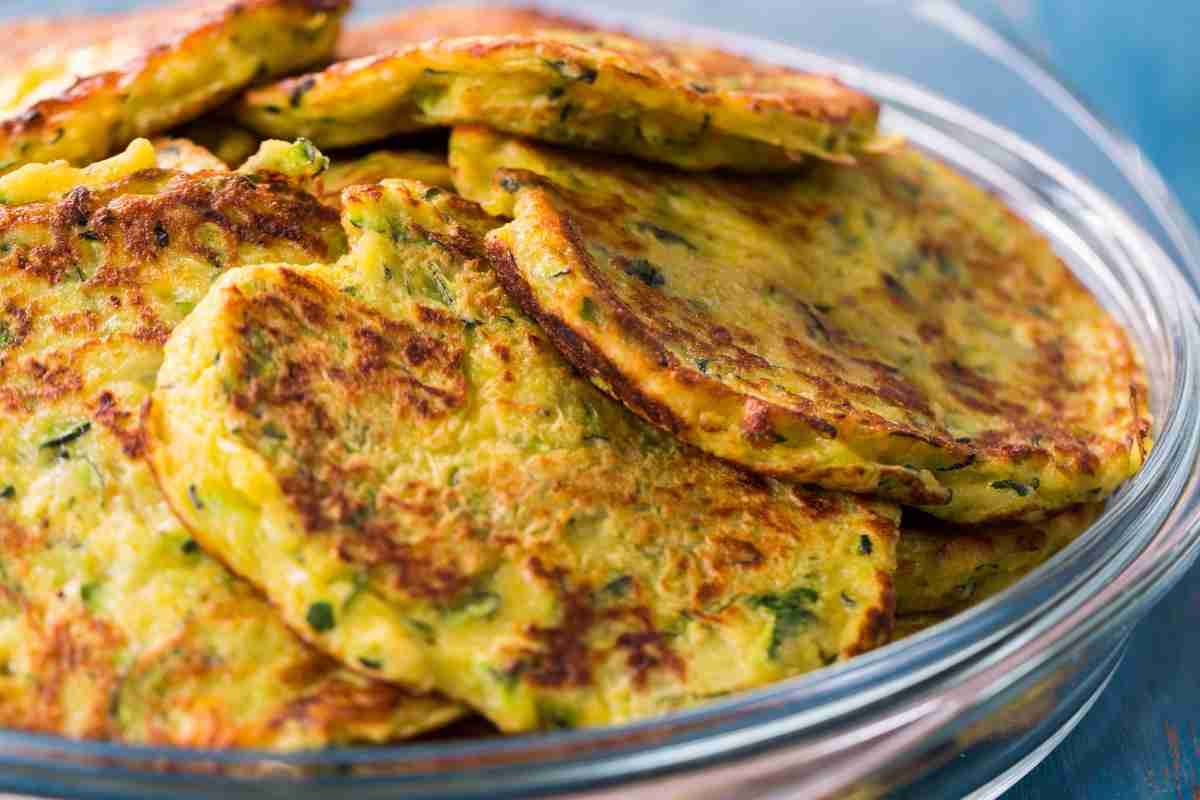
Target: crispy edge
591,359
211,19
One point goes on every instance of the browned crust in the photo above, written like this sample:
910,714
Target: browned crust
578,350
160,33
341,702
1037,435
590,358
877,629
839,105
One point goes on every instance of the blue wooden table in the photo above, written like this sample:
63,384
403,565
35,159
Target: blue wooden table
1139,64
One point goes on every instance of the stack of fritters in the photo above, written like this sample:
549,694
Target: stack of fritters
604,408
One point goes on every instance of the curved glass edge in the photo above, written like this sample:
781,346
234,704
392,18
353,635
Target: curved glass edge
974,632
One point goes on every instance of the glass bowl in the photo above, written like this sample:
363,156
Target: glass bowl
964,708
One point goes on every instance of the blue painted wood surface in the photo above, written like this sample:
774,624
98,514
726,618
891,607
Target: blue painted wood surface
1139,64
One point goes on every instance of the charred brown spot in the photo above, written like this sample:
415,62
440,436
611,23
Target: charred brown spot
740,553
408,570
579,351
436,317
65,650
877,628
757,427
121,424
561,659
818,505
648,650
76,207
930,330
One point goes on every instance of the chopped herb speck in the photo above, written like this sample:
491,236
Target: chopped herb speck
320,617
645,272
791,611
573,72
663,235
302,87
619,586
194,496
1021,489
68,436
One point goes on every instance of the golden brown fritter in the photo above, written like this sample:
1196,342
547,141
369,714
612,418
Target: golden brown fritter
676,103
114,624
946,567
888,328
426,490
142,74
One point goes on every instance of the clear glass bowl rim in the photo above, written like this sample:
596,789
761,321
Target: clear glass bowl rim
1146,558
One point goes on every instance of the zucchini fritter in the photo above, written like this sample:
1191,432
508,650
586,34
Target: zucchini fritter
422,485
446,21
674,103
149,72
947,567
114,623
888,328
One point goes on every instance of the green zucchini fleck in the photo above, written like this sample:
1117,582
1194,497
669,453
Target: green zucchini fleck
1016,486
791,610
665,236
67,436
587,310
645,272
194,496
619,587
320,617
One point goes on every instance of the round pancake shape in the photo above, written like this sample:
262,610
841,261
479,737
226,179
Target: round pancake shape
428,491
888,328
147,73
665,102
951,567
447,21
115,623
